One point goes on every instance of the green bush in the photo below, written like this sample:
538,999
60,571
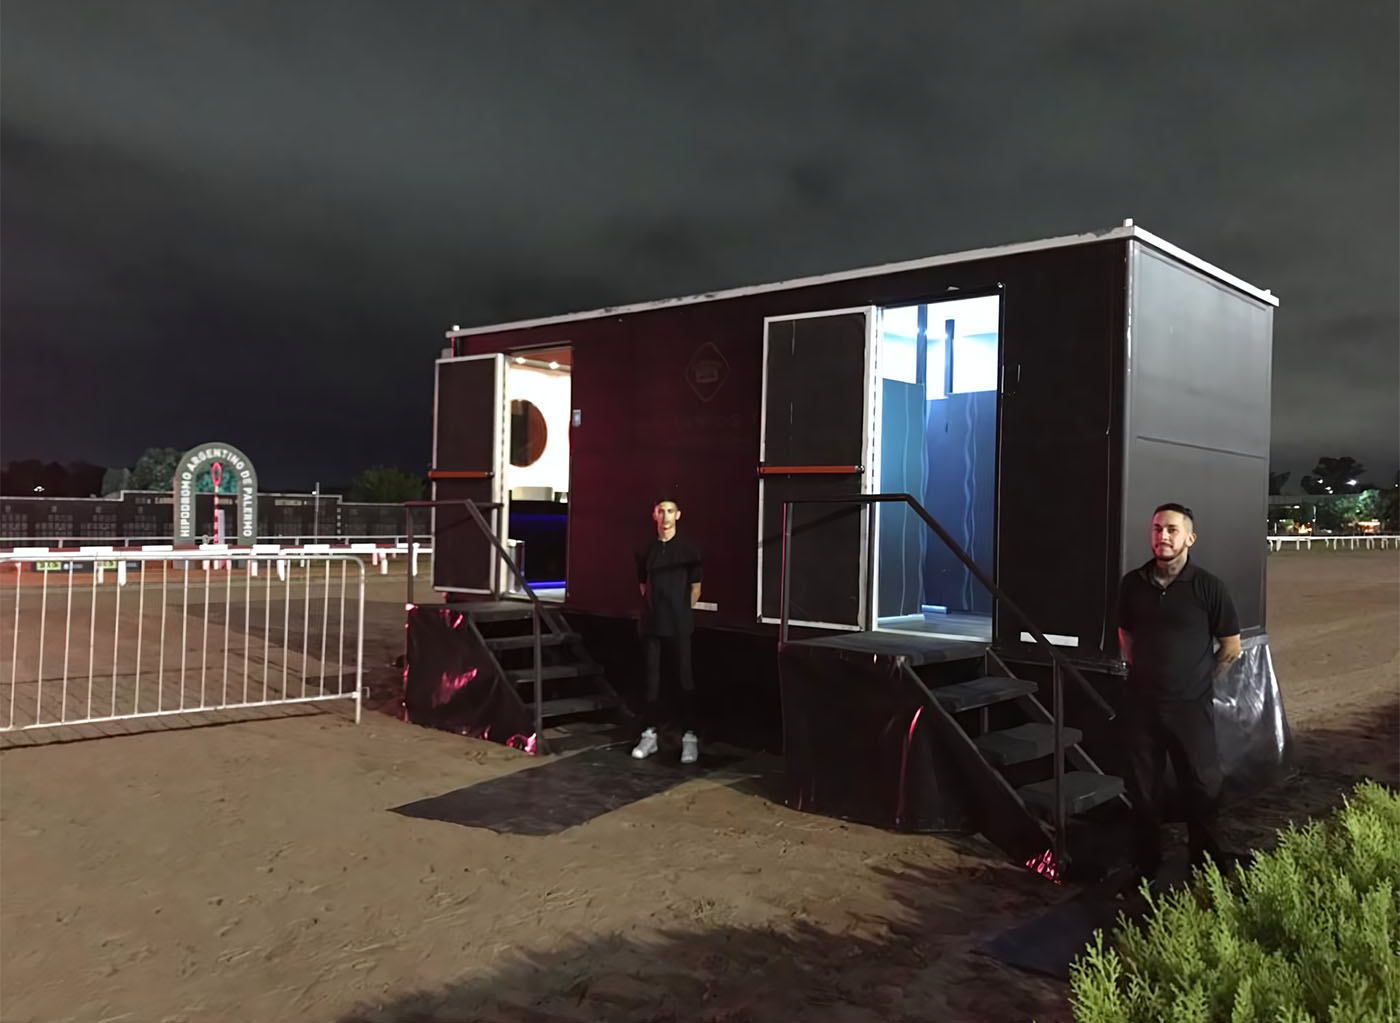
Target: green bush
1310,932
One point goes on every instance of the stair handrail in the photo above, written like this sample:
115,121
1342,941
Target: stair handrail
536,605
1059,664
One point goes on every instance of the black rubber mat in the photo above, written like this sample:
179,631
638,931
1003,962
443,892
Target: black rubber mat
1050,942
562,793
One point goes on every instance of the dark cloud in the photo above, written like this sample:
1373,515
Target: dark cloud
254,220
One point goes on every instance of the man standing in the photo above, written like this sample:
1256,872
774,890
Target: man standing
1179,633
669,573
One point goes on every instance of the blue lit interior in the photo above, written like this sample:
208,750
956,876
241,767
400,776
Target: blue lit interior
939,366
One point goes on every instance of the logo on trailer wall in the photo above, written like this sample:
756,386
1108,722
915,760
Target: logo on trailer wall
223,462
706,371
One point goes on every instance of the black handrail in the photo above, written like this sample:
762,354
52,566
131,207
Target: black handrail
536,606
1059,664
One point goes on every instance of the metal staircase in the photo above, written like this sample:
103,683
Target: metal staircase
571,682
1010,748
527,642
1003,739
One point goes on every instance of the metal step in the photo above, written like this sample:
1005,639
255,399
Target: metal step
1084,790
552,672
493,610
572,705
981,692
528,641
1022,743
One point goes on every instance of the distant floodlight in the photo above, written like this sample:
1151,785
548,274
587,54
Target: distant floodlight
1351,483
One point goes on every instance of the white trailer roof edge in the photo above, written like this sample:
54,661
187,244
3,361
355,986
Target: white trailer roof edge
1127,231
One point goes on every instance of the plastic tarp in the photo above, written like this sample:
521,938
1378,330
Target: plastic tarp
1251,730
451,681
858,743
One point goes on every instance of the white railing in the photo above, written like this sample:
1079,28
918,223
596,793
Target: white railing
122,540
108,636
380,554
1337,543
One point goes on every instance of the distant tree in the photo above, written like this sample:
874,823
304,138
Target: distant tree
20,478
384,484
155,469
1341,512
30,477
114,481
228,482
53,479
1276,482
84,479
1390,510
1335,476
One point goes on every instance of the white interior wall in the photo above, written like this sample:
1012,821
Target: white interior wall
550,391
976,324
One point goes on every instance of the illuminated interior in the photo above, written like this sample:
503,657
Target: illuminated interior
539,396
939,367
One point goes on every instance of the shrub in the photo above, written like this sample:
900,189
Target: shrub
1309,933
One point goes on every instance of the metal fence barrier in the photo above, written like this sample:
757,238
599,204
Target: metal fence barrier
133,540
93,637
380,554
1338,542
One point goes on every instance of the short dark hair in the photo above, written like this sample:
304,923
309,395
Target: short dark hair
1180,509
663,499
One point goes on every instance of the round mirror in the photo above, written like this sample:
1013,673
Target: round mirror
528,433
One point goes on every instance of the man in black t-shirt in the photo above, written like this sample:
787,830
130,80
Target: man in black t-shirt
1179,633
669,574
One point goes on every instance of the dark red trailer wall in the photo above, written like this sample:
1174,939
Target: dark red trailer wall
668,405
648,426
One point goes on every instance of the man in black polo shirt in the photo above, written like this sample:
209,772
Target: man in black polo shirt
1179,633
669,573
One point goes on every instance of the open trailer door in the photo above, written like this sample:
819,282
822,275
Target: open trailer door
469,438
816,441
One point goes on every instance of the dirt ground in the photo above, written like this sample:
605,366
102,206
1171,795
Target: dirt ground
252,872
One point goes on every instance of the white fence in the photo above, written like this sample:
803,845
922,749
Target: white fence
101,636
122,540
1361,542
380,552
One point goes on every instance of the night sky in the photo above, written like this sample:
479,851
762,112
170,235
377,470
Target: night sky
252,222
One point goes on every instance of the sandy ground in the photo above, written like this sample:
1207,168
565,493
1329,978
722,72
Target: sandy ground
251,872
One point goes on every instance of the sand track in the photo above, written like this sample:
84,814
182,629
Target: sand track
251,871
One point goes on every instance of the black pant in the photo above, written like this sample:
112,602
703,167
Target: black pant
677,649
1184,731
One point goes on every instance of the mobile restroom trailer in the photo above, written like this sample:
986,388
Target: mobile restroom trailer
1036,400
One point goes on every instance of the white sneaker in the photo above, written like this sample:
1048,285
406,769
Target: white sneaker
690,748
646,745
